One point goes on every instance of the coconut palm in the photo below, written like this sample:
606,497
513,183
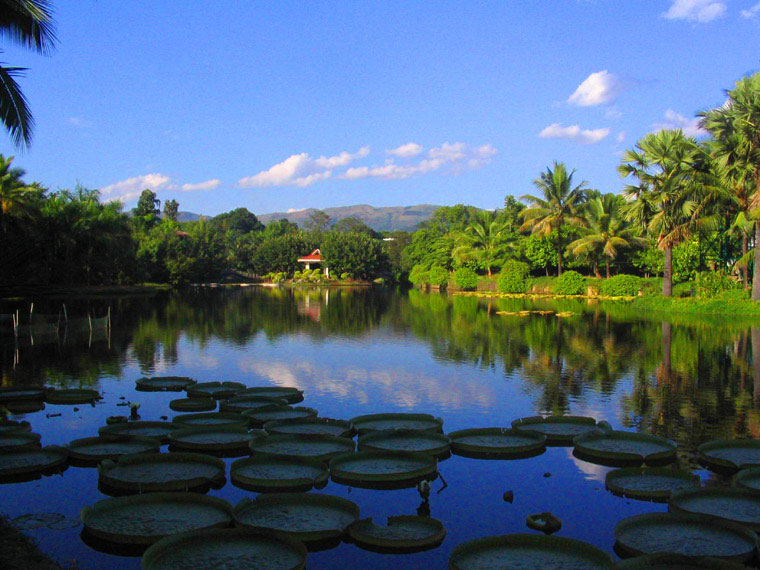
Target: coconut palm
27,23
607,230
559,206
15,194
483,241
663,163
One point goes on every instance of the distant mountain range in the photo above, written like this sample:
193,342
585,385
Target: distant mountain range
379,219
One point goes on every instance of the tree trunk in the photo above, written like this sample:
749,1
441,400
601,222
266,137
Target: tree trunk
667,273
559,253
756,272
745,268
607,263
664,370
756,364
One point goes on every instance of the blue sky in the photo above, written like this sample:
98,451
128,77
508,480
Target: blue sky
286,105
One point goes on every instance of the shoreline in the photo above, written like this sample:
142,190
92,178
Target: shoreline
19,552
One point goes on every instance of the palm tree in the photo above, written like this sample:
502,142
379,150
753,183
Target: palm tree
15,195
559,206
484,240
28,23
607,230
663,163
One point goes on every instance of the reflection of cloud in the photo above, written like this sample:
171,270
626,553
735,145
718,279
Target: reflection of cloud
591,471
200,360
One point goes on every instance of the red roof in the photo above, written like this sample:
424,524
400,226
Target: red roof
315,255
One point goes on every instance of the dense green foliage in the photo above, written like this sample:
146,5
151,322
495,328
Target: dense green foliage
570,283
512,278
356,253
620,286
466,279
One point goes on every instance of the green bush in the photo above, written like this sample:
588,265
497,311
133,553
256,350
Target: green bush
438,276
466,279
621,286
685,289
512,278
570,283
345,275
418,275
740,294
710,283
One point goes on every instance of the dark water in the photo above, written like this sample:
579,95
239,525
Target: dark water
360,352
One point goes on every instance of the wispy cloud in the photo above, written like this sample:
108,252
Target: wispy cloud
673,120
600,88
301,170
131,188
751,13
574,133
701,11
407,150
79,122
621,136
207,185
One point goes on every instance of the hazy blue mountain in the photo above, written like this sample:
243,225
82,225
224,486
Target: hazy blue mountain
379,219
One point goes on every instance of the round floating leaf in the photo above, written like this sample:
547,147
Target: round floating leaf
145,519
559,430
240,404
19,393
226,548
210,419
164,383
145,473
496,442
264,473
96,449
12,441
748,479
381,468
28,461
730,454
287,393
736,505
216,390
214,439
528,551
72,396
260,416
193,405
306,426
54,521
654,533
650,483
308,517
25,406
7,426
416,441
406,533
319,447
156,430
620,447
378,422
676,562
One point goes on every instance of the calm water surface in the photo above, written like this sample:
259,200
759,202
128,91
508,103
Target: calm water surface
361,352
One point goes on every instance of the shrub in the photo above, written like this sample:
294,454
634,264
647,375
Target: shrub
684,289
740,294
512,277
418,275
711,283
466,279
438,276
296,275
570,283
345,275
621,286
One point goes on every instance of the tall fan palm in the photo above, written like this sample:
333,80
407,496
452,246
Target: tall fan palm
484,240
607,230
663,164
558,207
28,23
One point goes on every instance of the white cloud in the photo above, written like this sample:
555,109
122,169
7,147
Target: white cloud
600,88
574,133
79,122
673,120
208,185
701,11
407,150
301,170
621,136
751,13
131,188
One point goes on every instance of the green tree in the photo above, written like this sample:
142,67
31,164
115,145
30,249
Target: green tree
238,220
171,210
559,206
28,23
352,224
356,253
318,221
483,241
281,253
147,213
277,228
15,195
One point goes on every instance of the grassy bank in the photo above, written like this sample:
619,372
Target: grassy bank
18,552
25,292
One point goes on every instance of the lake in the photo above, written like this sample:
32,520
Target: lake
366,351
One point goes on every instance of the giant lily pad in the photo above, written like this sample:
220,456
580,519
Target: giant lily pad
209,419
528,551
427,442
27,461
25,406
748,479
736,505
676,562
96,449
622,447
319,447
193,405
382,468
157,430
730,454
654,533
7,426
225,548
145,473
650,483
145,519
20,393
287,393
240,404
164,383
283,474
496,442
308,517
216,390
306,426
215,439
13,441
72,396
559,430
260,416
406,533
377,422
